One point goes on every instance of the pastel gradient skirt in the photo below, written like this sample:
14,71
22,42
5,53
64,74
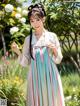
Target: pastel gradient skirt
44,86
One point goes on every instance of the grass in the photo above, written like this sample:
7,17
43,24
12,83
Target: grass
70,81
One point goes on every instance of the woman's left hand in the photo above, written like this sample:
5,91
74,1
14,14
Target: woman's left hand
53,48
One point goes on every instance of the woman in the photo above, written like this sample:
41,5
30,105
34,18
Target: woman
41,51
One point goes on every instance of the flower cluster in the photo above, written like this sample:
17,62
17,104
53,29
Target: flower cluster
10,88
14,30
19,14
9,8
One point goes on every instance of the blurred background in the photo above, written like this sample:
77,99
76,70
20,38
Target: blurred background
63,18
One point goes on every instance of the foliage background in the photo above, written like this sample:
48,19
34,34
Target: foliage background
63,18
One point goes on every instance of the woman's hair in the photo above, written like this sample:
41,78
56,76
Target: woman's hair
35,10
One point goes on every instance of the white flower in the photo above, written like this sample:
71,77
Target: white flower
18,9
24,12
68,98
9,8
14,29
18,16
23,20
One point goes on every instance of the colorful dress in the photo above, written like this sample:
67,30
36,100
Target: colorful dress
44,86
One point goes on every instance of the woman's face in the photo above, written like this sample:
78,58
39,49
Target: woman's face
36,22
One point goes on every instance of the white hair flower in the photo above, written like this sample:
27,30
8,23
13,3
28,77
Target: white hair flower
23,20
14,30
24,12
9,8
17,15
19,9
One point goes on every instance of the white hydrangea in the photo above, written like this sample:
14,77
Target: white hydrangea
19,9
9,8
14,29
23,20
17,15
24,12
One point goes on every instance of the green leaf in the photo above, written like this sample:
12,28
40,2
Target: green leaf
1,26
18,34
11,21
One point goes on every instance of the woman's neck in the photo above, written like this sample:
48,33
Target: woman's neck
39,32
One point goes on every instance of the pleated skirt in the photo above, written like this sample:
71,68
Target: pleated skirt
44,87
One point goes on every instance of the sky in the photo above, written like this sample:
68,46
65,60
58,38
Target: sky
26,3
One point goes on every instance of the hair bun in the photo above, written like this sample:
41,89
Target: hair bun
38,5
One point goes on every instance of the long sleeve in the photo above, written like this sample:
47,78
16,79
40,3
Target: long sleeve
24,58
59,56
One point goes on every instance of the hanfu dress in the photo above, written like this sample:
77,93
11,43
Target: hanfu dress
44,86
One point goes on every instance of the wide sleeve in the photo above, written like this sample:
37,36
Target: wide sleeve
59,56
24,58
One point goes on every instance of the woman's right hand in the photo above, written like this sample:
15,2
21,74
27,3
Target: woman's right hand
15,48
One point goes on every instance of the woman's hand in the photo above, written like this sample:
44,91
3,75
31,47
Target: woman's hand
53,48
15,48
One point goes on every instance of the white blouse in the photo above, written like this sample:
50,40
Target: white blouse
46,38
